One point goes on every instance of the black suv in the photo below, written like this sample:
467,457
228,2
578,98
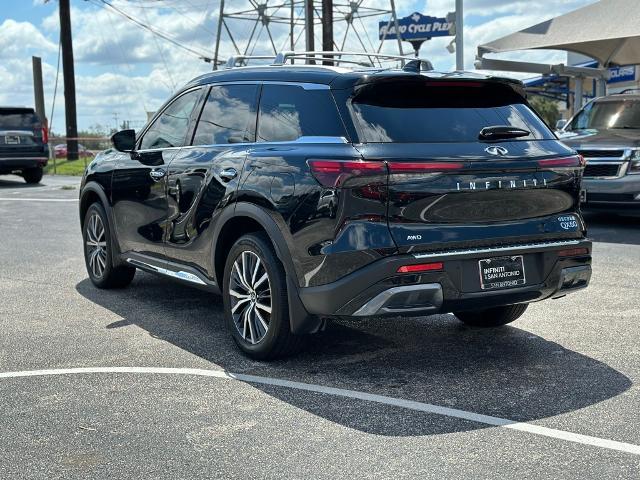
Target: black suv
308,192
23,143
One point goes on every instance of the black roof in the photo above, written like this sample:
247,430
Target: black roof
336,77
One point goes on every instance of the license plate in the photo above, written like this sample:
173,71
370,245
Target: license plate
11,140
501,272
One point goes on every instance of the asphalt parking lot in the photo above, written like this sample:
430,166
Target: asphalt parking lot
146,383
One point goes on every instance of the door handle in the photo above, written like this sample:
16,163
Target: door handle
228,174
157,174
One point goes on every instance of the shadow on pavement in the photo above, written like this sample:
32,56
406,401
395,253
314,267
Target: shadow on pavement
506,372
603,227
16,182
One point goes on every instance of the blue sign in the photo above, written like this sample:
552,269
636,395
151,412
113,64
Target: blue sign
415,27
622,74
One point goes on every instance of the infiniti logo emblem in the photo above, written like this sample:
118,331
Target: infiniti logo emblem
496,150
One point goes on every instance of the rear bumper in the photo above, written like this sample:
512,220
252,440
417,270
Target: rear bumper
378,289
10,164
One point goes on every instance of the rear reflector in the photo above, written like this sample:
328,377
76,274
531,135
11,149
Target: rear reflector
421,267
426,167
575,161
573,252
333,173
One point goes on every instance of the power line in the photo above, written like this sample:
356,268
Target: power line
154,31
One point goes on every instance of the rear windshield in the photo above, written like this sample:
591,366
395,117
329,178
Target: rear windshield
18,119
431,111
608,114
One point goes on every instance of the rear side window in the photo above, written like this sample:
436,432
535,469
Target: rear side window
17,119
432,111
229,115
170,128
288,112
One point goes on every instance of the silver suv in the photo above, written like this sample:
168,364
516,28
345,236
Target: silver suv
606,132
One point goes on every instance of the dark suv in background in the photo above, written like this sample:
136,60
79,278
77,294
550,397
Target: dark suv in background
606,132
23,143
307,192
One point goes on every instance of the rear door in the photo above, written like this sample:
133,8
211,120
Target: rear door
449,188
203,177
21,133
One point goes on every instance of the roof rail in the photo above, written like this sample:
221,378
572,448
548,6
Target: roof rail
628,90
233,61
329,56
410,64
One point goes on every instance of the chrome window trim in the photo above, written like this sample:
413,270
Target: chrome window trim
507,248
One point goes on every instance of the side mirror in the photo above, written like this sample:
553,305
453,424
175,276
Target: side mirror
560,124
124,140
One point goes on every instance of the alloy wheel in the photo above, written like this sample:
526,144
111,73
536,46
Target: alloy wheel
250,293
96,245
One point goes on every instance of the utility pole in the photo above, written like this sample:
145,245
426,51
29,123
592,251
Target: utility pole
327,28
220,20
459,36
38,89
69,80
308,27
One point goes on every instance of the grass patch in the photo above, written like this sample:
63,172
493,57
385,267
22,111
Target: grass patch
65,167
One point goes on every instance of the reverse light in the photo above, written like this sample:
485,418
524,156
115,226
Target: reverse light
421,267
573,252
573,161
334,173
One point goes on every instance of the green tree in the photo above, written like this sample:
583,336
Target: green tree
546,108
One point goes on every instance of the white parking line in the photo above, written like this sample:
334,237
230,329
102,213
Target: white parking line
35,199
340,392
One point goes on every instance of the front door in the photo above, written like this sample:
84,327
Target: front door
203,178
139,186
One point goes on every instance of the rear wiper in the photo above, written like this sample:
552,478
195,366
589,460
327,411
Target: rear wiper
629,127
496,132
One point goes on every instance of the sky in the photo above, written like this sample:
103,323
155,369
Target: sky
123,70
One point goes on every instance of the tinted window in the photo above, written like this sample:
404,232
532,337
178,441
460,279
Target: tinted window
228,115
608,114
18,119
415,112
288,112
170,128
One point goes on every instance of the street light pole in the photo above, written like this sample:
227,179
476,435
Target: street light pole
459,36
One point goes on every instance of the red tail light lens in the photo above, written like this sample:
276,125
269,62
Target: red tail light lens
423,167
575,161
45,135
573,252
334,173
421,267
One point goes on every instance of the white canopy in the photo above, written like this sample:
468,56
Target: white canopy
608,31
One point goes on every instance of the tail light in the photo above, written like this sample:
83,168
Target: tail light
421,267
44,133
573,252
334,173
574,161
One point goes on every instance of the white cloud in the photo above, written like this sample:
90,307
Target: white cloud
120,68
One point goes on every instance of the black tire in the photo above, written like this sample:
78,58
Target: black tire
492,317
277,340
33,175
106,276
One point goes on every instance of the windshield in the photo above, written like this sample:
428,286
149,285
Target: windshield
425,112
608,114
